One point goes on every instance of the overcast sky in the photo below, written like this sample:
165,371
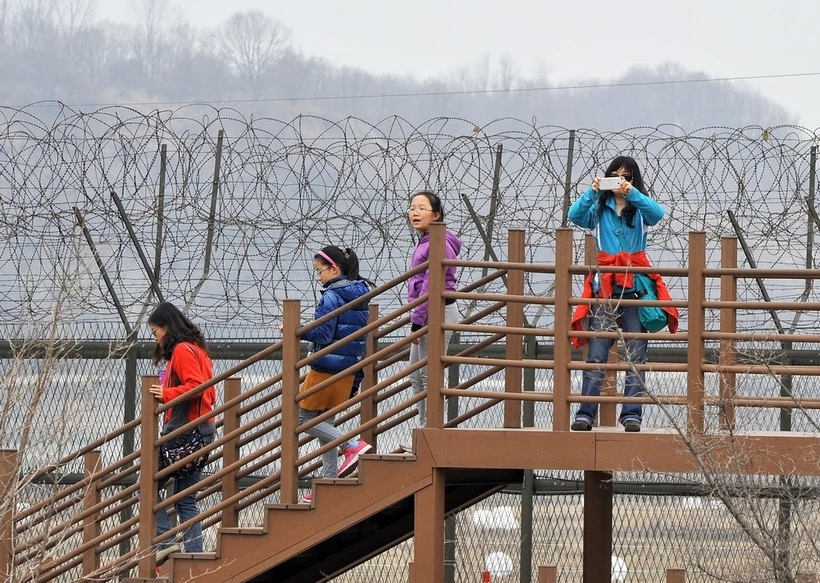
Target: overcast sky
572,39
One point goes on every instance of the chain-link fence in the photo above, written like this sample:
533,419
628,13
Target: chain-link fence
105,212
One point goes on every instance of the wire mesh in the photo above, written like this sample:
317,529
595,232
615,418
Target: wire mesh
286,188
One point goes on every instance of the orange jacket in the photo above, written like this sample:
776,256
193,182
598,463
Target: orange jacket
190,366
609,281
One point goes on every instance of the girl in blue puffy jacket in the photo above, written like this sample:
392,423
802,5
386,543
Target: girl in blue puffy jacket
338,271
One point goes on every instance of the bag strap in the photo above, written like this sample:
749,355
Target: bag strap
619,232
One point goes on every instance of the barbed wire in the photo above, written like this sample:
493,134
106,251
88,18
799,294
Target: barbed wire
287,188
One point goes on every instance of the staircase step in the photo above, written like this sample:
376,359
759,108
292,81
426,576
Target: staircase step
280,506
346,525
230,541
381,467
395,456
381,484
242,530
209,556
336,481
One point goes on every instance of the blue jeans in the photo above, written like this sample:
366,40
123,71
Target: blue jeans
604,317
186,508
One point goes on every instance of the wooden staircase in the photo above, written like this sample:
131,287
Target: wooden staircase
349,521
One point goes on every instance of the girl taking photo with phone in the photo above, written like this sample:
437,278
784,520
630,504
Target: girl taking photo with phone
619,217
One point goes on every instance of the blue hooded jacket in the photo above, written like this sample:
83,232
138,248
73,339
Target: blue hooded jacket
338,292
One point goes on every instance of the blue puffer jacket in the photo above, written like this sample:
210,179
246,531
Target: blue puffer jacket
338,292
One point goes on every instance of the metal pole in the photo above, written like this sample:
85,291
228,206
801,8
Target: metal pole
812,181
568,178
748,253
128,438
163,157
486,240
106,279
214,192
528,485
784,509
487,236
493,201
597,527
211,221
450,532
483,234
785,504
148,271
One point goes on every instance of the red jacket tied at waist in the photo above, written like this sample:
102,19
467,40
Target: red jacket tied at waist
607,282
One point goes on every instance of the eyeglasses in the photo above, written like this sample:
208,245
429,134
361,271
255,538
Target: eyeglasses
627,177
419,210
319,271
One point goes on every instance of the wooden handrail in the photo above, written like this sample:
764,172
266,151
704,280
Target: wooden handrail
252,414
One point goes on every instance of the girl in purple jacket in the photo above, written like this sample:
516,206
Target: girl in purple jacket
425,208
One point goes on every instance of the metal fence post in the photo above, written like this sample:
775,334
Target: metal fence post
450,531
528,484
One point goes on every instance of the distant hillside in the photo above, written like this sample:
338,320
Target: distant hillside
248,63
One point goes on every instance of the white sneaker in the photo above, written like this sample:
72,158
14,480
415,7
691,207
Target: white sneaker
406,447
164,552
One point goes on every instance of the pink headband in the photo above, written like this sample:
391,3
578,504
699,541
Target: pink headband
325,255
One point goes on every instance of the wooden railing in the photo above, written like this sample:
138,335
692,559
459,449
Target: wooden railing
81,527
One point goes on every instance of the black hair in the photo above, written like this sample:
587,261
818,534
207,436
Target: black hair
178,329
435,203
346,259
631,166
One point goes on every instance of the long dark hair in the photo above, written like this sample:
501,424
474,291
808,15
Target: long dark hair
178,329
637,182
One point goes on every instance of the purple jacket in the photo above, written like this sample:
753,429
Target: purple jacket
419,284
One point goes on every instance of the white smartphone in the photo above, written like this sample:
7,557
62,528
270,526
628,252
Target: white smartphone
609,183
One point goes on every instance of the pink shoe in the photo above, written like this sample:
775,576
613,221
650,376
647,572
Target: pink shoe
307,498
351,460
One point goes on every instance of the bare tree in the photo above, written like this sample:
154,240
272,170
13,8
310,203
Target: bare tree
5,20
250,43
782,540
47,406
475,76
35,29
75,15
506,73
151,34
